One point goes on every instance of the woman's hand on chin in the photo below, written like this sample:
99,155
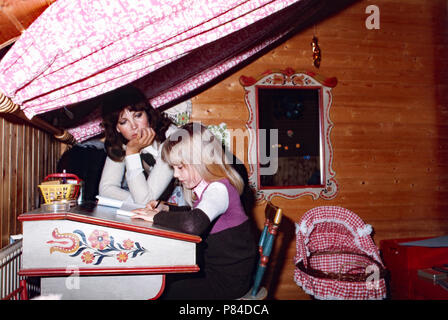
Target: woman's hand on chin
145,137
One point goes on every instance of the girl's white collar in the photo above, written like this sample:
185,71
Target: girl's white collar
199,189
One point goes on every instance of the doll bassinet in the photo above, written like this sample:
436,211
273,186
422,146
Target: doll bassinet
336,256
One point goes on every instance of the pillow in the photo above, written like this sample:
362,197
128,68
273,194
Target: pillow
180,114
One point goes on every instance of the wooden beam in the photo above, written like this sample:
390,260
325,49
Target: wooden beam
7,106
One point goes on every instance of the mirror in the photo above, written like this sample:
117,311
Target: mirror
290,152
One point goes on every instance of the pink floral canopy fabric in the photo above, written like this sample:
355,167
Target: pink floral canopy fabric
79,49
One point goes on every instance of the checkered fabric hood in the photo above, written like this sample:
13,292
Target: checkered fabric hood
334,229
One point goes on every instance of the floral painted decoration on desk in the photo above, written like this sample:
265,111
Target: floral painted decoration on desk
96,247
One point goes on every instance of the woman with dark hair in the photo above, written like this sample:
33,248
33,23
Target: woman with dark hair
134,136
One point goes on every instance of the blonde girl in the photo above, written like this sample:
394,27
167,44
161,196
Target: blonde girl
212,188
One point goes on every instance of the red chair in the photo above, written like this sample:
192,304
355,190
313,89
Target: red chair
273,217
20,293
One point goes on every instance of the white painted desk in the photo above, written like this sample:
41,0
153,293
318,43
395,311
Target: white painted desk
89,252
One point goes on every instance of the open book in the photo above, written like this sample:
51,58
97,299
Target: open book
123,208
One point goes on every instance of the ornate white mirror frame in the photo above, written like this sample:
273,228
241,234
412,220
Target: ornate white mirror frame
262,142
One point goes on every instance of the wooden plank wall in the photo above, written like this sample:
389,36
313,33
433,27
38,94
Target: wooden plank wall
390,113
27,156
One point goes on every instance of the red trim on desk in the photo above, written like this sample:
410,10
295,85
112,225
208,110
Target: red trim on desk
58,272
109,223
162,288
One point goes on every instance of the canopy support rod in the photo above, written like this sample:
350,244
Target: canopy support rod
8,106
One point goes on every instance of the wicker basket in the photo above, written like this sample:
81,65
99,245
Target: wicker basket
60,192
346,266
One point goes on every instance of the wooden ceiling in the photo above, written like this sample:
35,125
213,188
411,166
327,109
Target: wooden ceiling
16,16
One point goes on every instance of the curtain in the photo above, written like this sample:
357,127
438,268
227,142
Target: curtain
79,49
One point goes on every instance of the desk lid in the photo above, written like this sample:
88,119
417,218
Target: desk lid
106,216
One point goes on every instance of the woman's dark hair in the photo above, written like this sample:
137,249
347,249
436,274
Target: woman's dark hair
132,98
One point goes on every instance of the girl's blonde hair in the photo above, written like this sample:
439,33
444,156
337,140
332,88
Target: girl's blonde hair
194,145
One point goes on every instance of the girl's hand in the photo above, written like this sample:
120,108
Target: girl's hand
145,214
145,137
152,205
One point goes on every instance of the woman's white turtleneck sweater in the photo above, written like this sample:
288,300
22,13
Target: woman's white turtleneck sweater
141,190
